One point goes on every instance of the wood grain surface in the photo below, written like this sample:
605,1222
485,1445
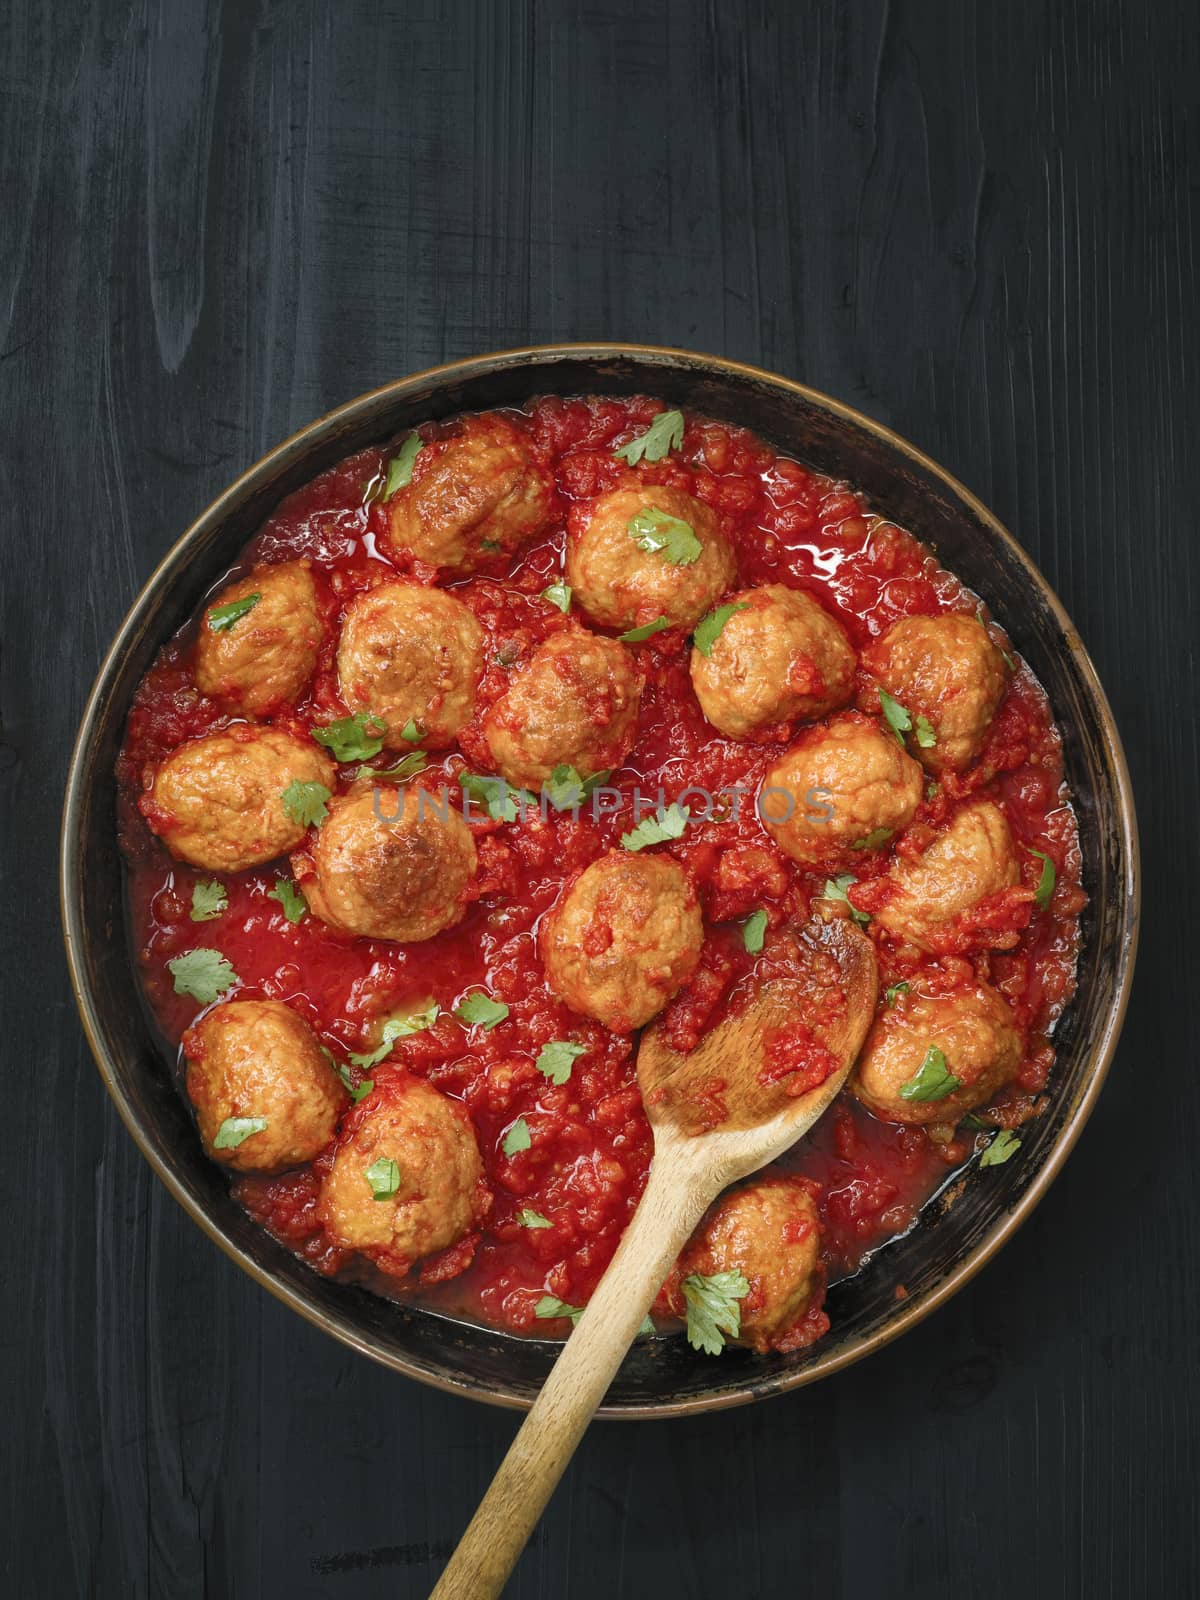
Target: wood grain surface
978,223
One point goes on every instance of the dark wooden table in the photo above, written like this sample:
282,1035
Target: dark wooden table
978,223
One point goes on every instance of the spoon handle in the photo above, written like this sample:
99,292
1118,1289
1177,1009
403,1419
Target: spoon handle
674,1200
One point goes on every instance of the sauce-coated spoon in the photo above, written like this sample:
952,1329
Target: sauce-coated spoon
717,1117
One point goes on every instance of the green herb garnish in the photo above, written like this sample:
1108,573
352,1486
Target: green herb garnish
659,533
894,991
517,1138
646,631
399,1027
400,467
934,1080
565,789
556,1059
208,901
236,1130
532,1219
663,435
668,824
708,629
550,1308
1049,877
222,618
384,1177
357,1091
894,714
203,974
407,767
480,1010
713,1309
835,889
1004,1145
754,931
295,906
496,795
872,840
305,803
558,594
355,738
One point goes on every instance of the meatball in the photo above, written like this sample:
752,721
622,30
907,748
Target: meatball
257,1060
476,494
408,654
218,801
970,859
264,657
843,784
770,1233
391,864
575,705
779,658
979,1044
947,670
624,939
620,584
439,1194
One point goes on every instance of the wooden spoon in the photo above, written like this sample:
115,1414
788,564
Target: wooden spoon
715,1120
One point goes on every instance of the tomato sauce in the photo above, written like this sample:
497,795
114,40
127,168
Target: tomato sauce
590,1144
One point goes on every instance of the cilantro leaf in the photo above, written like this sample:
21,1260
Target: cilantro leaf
550,1308
222,618
295,906
236,1130
479,1009
496,795
894,991
669,824
646,631
835,889
384,1177
1049,877
565,789
305,803
533,1219
204,974
934,1080
208,901
399,1027
664,434
926,736
659,533
713,1309
558,594
357,1091
412,731
556,1059
1005,1144
872,840
407,767
708,629
355,738
894,714
754,930
517,1138
400,467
